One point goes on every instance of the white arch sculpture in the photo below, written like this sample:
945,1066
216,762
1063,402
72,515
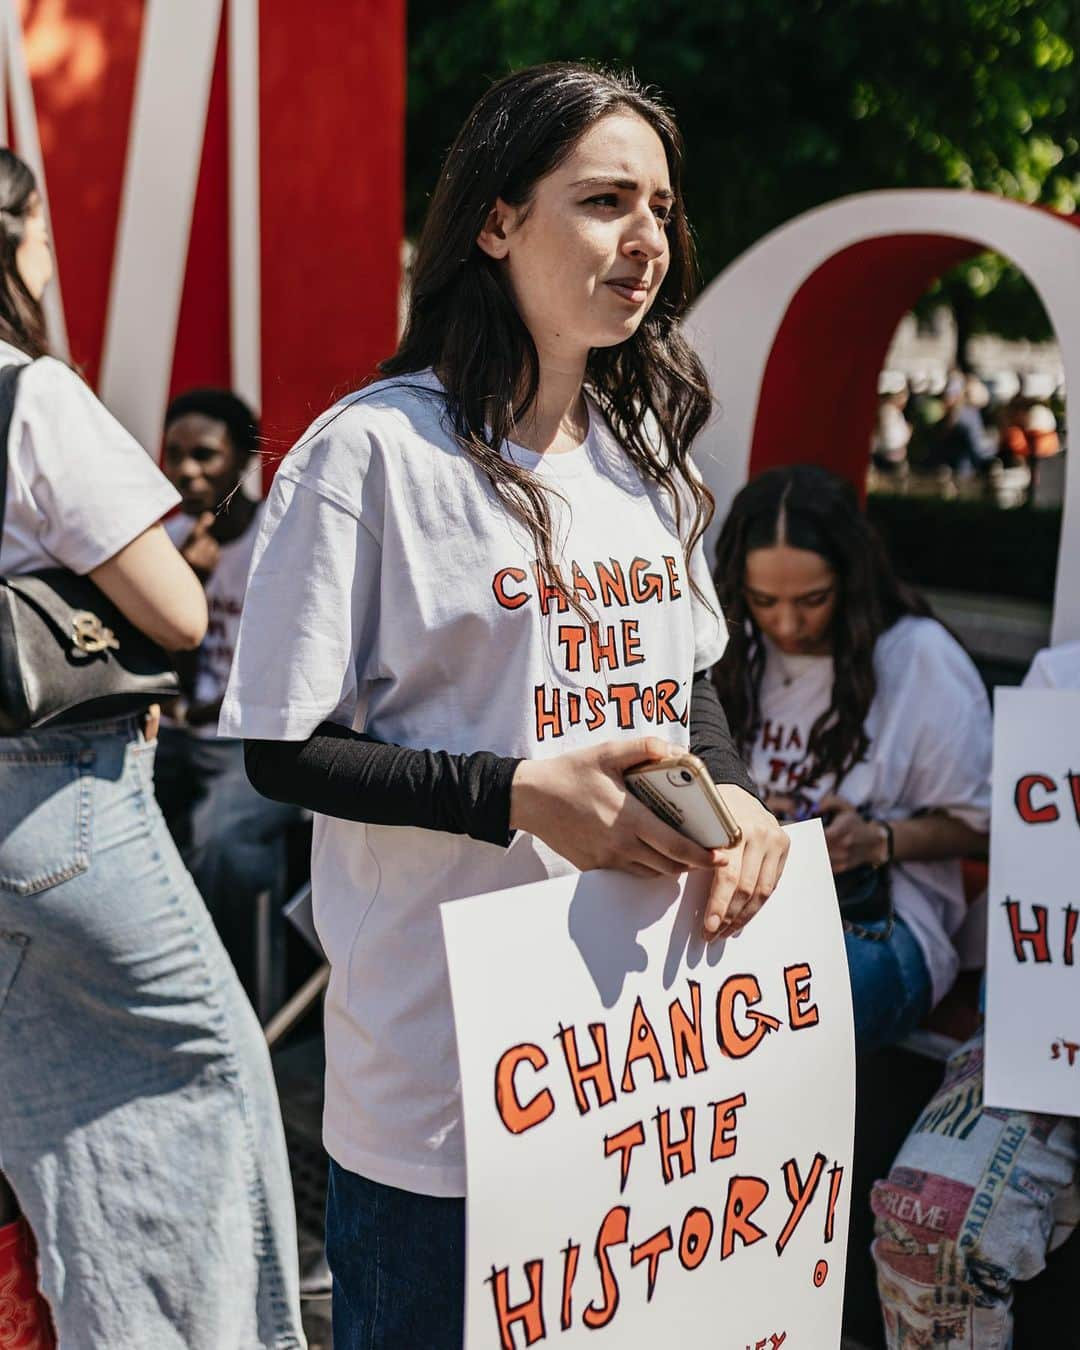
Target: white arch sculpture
740,319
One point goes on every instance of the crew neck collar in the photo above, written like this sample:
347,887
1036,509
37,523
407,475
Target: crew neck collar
563,464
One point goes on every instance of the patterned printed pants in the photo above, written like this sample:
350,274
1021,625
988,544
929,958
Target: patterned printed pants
975,1200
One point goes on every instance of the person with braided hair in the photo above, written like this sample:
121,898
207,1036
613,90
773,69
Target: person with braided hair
851,702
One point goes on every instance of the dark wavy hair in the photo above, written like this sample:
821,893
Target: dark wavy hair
22,321
463,322
806,507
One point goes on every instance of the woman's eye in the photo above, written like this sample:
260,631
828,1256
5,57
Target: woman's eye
605,199
814,601
662,214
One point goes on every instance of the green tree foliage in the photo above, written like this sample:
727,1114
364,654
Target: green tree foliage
786,104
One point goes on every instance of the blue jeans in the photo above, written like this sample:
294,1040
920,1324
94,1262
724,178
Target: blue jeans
398,1262
890,985
139,1124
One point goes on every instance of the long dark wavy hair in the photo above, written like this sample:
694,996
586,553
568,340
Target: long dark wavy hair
22,322
809,508
463,322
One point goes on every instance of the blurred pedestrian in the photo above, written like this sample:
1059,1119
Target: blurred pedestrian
853,704
232,840
892,430
139,1126
963,444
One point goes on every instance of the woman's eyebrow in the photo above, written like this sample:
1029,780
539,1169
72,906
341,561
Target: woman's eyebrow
803,595
627,184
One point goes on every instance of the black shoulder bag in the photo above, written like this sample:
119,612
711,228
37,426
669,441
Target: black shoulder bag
67,654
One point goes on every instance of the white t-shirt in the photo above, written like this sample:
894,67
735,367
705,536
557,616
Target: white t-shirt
79,487
224,599
1055,668
930,747
392,592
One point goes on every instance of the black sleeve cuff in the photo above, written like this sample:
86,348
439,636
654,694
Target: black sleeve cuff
711,739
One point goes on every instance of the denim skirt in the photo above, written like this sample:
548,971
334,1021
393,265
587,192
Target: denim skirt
139,1124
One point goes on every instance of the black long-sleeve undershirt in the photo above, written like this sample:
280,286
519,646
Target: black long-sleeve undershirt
344,773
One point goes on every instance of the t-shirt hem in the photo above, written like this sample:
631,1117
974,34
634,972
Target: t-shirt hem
441,1181
239,720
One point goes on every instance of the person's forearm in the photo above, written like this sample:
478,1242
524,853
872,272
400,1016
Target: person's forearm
934,837
342,773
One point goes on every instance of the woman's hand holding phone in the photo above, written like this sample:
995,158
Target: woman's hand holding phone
578,804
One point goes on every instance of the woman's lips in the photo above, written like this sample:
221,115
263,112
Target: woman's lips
636,292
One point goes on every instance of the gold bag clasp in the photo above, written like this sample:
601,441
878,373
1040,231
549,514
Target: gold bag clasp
90,635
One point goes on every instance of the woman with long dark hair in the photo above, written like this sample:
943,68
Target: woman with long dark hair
139,1127
851,702
478,597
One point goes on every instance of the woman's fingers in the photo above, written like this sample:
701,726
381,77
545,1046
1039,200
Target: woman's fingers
153,722
658,863
746,898
673,845
720,893
771,865
637,869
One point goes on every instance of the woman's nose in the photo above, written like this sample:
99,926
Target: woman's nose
786,623
647,238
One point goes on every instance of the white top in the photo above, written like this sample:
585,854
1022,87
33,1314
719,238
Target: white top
80,487
930,747
391,591
224,588
1055,668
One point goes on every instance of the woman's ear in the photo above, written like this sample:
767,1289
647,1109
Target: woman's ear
494,236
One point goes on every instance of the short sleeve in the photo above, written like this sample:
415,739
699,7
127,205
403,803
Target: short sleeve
1055,668
943,714
309,621
710,628
95,487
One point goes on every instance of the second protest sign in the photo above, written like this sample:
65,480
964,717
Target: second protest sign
1033,933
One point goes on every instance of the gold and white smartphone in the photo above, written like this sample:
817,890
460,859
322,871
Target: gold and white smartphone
680,791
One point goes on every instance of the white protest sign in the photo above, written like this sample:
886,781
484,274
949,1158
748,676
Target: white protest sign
1033,979
658,1133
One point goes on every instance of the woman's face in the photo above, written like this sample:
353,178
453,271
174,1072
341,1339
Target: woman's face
33,256
791,594
586,256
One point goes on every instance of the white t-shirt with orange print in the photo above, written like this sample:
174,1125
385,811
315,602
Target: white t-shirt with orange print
930,747
392,592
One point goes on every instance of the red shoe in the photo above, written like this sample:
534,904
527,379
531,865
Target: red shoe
25,1323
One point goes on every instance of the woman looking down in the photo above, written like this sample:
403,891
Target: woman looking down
854,704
